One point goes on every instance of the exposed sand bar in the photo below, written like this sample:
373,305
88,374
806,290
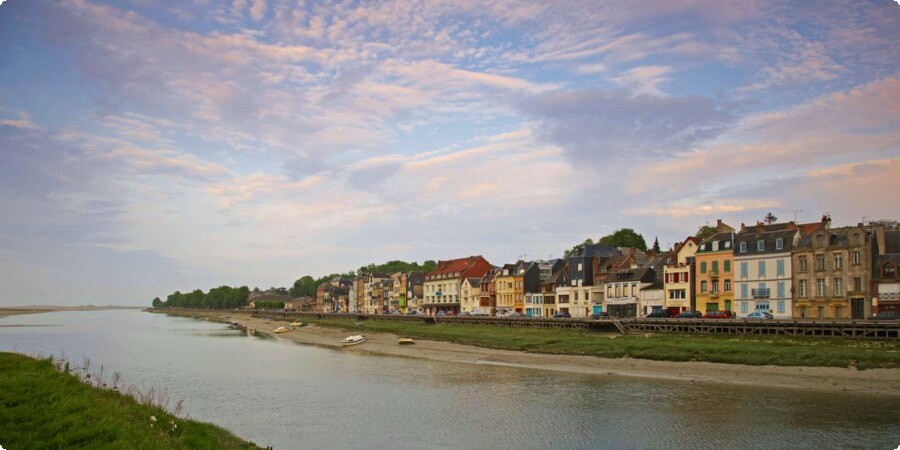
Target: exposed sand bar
829,379
15,311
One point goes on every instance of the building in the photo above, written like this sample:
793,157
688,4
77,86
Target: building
442,286
334,295
678,286
548,286
470,299
508,287
885,276
414,291
714,275
623,292
370,293
575,296
763,278
487,299
833,273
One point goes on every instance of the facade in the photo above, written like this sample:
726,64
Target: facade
623,292
334,295
443,286
714,274
577,295
370,293
886,271
414,290
508,286
678,287
763,269
470,299
832,273
487,300
547,288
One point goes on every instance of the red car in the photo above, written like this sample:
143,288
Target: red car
719,315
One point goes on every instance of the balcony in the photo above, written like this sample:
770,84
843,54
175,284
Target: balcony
713,295
714,274
760,293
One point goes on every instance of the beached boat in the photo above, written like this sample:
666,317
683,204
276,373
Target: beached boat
283,329
353,340
298,324
405,341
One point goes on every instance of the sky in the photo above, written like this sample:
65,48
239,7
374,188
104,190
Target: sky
148,147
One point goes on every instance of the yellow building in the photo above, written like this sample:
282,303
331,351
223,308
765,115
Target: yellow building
470,299
678,295
505,287
714,272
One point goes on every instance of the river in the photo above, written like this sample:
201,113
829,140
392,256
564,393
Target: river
303,397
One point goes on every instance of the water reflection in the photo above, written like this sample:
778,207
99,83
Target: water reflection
293,396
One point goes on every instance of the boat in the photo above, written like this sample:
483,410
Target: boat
283,329
298,324
405,341
353,340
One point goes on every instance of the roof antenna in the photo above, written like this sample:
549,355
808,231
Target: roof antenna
795,214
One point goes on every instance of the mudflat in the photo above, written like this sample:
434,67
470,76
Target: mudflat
830,379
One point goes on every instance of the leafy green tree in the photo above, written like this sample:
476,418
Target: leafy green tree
157,303
625,237
705,231
304,287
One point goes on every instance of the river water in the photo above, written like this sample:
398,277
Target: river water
304,397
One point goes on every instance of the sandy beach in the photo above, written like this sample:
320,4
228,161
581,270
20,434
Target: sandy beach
831,379
15,311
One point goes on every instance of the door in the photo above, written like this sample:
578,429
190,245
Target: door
728,305
857,309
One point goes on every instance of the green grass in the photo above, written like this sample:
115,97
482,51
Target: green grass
779,351
42,408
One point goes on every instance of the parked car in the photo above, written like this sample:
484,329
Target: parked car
441,313
759,315
516,314
719,315
690,315
600,315
660,314
562,315
886,315
412,313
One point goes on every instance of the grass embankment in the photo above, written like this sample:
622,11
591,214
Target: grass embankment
41,407
779,351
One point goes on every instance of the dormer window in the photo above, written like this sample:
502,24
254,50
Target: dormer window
715,247
820,241
760,246
727,244
888,270
743,247
779,244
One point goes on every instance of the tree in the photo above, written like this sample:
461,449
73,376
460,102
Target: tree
157,303
656,244
705,231
304,287
625,237
889,224
770,218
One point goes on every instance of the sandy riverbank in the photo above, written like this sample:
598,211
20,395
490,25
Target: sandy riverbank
831,379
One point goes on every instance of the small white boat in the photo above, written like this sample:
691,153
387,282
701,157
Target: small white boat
405,341
353,340
283,329
298,324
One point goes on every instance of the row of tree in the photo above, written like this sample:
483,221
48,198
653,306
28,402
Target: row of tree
269,305
224,297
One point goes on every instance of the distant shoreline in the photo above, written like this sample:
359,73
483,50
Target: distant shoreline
19,310
823,379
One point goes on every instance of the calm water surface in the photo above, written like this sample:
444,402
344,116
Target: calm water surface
293,396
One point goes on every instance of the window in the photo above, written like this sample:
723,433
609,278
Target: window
727,266
744,305
820,241
703,286
727,285
715,266
780,289
820,287
727,244
760,246
857,284
762,269
744,289
802,312
715,246
762,307
715,287
855,238
587,295
856,257
838,312
744,266
576,296
820,262
838,261
779,244
888,270
579,266
821,312
703,267
743,247
781,306
838,288
804,264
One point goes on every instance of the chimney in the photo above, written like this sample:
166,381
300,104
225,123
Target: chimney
742,226
760,227
826,221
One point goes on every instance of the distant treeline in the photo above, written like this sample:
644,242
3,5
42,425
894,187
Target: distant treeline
269,305
224,297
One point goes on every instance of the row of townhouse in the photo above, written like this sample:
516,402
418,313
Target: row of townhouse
790,270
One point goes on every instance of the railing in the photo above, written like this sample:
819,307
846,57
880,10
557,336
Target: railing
889,296
760,293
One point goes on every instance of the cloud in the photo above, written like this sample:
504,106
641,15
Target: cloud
24,122
594,126
644,80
